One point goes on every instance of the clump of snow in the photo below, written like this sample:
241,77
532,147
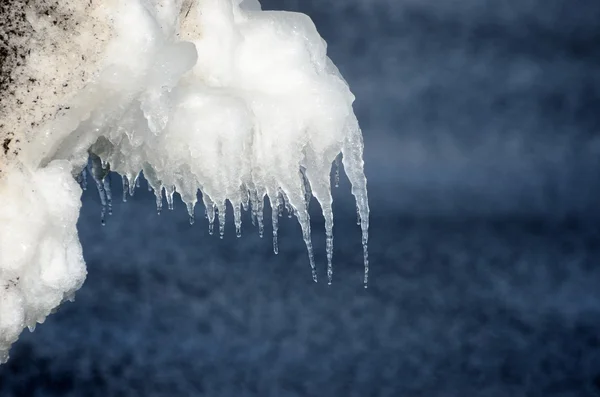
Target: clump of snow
40,253
214,96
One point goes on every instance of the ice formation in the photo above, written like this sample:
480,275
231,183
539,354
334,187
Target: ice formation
215,96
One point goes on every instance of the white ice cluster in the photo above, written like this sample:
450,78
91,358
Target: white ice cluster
215,96
40,253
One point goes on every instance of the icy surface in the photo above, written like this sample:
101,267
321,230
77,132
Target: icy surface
214,96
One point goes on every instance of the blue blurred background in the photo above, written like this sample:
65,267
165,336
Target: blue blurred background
482,145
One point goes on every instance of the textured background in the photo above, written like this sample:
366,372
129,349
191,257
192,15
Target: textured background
482,131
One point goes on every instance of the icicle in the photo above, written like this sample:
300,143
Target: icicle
210,212
253,206
320,183
99,173
352,152
357,216
275,214
260,217
221,211
328,215
31,327
169,191
159,199
125,187
237,219
190,210
285,203
108,191
365,239
304,220
337,171
103,210
295,200
306,187
134,183
363,211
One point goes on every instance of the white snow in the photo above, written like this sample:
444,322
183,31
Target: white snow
208,95
40,254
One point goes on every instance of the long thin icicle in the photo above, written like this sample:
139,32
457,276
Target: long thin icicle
354,167
275,214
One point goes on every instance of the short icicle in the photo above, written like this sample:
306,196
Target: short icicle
190,209
221,209
237,219
98,170
125,187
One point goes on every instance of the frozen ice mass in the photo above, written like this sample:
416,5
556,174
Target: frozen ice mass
210,96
